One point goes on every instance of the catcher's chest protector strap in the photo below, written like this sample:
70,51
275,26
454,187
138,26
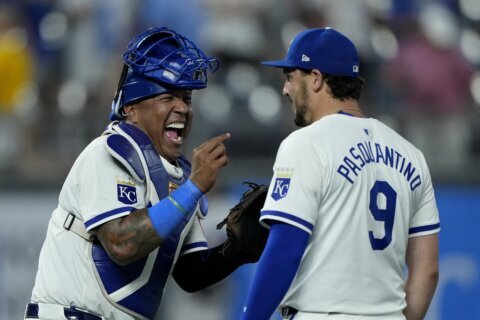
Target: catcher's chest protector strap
121,149
138,287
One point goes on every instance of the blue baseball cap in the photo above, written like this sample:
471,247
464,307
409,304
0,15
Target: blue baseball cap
324,49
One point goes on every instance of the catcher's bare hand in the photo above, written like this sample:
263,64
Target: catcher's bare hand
207,160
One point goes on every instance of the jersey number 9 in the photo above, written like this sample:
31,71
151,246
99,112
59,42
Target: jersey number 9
383,201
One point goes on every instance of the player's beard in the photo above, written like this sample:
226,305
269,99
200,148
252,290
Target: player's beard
301,106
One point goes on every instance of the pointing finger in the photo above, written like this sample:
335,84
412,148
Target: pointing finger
222,137
214,142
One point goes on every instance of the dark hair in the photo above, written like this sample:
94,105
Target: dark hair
342,87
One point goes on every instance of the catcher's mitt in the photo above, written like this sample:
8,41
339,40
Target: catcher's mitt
244,232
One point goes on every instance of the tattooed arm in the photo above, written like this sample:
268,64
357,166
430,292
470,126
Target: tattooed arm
129,238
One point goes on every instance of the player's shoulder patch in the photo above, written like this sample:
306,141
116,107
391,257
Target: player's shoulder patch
126,191
282,183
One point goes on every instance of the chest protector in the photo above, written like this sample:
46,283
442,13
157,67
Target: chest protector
137,288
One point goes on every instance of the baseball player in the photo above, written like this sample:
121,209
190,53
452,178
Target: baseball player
350,202
129,211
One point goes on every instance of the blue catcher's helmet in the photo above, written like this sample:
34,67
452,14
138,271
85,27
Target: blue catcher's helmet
158,61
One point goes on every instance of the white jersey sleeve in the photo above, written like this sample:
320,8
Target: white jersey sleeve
106,193
293,196
425,219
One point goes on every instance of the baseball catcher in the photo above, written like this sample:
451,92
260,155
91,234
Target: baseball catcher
244,232
131,209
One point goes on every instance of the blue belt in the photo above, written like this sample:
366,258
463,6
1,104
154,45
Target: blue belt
70,313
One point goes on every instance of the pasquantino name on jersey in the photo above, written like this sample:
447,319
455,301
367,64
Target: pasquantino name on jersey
364,153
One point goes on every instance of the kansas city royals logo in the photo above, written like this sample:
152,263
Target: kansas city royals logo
126,192
281,184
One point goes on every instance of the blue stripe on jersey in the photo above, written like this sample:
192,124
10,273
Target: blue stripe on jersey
107,214
288,217
193,245
423,228
345,113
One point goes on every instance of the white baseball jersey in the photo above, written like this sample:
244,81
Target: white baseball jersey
97,189
360,190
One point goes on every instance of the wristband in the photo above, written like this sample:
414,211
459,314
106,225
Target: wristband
178,207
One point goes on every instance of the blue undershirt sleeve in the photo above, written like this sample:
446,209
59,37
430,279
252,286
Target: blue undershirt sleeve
179,206
283,252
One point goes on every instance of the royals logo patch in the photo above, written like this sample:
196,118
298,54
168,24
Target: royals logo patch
126,192
280,188
281,184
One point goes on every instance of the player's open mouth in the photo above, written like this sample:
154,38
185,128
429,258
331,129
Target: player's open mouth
174,131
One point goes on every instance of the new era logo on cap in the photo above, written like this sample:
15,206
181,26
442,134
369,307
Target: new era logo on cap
305,58
324,49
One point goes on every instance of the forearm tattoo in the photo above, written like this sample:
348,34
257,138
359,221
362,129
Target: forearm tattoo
130,238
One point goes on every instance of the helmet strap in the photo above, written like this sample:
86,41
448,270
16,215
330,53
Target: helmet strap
120,81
